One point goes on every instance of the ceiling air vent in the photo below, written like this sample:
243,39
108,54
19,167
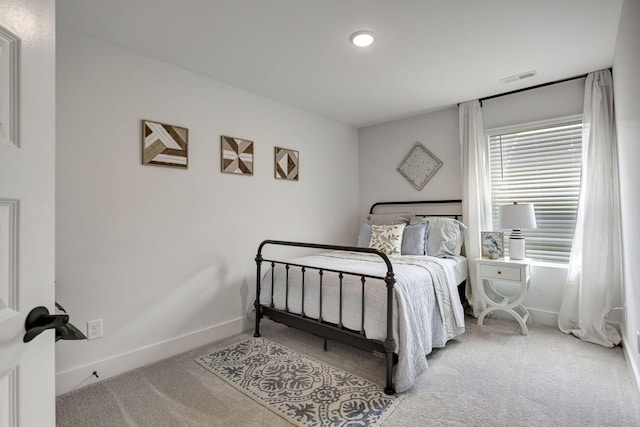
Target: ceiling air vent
518,77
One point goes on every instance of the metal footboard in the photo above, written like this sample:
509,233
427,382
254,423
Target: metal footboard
336,332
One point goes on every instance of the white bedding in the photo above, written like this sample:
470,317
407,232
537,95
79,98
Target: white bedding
427,309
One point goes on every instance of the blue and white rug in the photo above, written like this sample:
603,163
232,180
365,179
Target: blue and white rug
302,390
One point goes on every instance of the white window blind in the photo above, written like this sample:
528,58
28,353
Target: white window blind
540,164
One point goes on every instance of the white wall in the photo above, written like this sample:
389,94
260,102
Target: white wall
626,69
166,256
549,102
383,146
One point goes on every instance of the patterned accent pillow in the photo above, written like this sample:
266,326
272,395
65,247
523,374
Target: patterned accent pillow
387,238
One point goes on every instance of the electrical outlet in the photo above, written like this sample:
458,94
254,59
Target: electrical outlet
94,329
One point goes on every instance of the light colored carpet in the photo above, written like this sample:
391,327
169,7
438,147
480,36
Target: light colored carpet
490,376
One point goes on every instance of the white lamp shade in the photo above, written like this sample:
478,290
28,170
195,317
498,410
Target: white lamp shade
517,216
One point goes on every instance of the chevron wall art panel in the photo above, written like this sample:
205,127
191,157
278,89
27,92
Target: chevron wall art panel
164,145
287,163
236,155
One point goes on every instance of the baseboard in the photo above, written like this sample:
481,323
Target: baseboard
81,376
550,318
544,317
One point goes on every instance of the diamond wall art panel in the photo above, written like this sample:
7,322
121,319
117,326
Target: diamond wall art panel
164,145
419,166
236,155
287,164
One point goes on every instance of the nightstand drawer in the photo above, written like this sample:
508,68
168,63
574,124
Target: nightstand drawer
500,272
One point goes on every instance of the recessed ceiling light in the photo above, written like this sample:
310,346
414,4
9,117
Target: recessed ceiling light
362,38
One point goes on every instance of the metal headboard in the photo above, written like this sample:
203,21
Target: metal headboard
427,203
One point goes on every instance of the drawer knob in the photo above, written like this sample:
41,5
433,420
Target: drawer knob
499,272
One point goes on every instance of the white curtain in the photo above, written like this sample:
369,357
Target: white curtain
595,263
476,191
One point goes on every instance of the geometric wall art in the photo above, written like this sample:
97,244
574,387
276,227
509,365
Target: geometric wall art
236,155
287,163
164,145
419,166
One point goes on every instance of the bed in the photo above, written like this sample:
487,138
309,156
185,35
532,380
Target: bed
401,304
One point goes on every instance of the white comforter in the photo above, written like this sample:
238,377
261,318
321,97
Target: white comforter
427,309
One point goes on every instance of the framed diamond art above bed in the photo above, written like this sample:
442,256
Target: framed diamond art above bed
419,165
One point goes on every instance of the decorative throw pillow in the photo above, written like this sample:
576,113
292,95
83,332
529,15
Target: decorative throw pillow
445,237
414,239
387,238
388,219
365,236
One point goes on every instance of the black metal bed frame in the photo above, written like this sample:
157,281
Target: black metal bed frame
336,332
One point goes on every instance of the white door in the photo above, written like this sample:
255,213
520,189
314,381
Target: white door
27,221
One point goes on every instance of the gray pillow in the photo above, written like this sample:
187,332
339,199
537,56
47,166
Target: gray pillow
365,236
414,239
416,219
388,219
445,237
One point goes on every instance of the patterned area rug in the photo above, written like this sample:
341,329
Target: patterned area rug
302,390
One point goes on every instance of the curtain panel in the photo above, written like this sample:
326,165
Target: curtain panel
476,191
595,263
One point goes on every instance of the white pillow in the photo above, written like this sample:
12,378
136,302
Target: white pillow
445,237
387,238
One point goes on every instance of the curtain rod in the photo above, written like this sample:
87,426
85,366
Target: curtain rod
532,87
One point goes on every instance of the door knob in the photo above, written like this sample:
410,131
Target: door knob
39,320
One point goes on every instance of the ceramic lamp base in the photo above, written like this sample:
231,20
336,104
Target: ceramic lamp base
516,245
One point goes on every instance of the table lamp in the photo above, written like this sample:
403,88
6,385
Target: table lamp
517,216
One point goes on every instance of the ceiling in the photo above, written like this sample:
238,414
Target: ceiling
428,54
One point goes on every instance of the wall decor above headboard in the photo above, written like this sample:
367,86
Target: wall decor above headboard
419,165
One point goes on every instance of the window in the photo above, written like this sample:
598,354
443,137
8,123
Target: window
539,163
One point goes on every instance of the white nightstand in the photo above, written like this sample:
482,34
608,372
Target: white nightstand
489,271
